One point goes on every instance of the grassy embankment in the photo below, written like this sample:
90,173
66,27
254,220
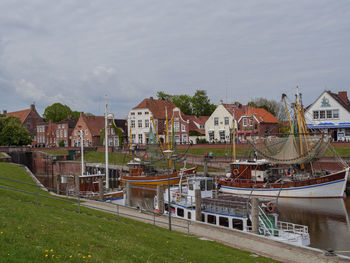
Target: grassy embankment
49,232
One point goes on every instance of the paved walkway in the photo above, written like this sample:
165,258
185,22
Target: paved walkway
237,239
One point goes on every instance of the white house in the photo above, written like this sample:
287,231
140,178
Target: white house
218,127
330,113
139,119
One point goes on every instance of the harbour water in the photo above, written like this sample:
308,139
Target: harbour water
327,219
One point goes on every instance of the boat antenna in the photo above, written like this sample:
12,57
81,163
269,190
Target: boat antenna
233,140
106,143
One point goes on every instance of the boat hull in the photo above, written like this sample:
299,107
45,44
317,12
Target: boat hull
174,178
326,188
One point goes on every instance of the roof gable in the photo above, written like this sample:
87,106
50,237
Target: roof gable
22,114
157,107
95,124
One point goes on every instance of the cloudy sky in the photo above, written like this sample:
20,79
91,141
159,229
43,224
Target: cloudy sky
77,51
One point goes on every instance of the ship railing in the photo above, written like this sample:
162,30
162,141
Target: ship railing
265,222
293,228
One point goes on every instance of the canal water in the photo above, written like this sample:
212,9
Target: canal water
327,219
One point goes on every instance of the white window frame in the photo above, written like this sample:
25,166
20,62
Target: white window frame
245,122
216,121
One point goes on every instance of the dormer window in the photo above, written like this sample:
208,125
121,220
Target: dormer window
244,121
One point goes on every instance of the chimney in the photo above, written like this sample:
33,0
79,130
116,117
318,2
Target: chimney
221,102
151,98
343,95
32,107
4,112
81,114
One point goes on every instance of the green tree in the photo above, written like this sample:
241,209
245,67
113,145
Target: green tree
58,112
201,104
13,133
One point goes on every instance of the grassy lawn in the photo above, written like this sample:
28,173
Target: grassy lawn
56,152
99,157
218,151
343,151
48,233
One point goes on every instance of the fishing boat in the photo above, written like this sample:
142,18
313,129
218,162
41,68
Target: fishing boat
229,211
144,174
291,165
141,169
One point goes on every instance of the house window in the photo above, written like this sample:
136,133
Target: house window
139,113
132,124
139,123
250,122
216,121
140,138
176,127
177,138
57,133
132,113
112,131
322,114
184,138
335,114
244,121
61,133
65,133
133,137
146,112
146,123
86,132
183,128
315,114
75,132
347,132
329,114
227,121
222,135
211,136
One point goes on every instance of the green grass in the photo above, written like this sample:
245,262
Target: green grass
218,151
56,152
45,232
343,151
99,157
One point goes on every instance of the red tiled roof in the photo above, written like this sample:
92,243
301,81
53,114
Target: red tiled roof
22,114
200,120
157,107
339,100
262,115
95,124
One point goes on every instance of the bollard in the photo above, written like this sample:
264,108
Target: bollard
198,197
100,187
255,215
160,198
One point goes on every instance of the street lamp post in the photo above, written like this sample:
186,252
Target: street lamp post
168,154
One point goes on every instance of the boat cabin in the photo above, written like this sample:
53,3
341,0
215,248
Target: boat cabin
138,168
256,170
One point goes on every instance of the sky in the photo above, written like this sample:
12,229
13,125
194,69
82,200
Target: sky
78,51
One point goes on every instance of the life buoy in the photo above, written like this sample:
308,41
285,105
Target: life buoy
235,172
270,207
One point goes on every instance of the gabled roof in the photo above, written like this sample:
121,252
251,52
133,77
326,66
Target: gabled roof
157,107
199,120
22,114
261,115
339,100
95,124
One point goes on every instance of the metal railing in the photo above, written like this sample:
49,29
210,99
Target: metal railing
146,216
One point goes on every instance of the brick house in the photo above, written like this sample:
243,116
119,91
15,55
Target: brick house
29,118
63,132
92,126
255,121
196,127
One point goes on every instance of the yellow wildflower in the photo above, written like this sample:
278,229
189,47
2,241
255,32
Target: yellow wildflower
46,250
83,257
1,233
70,256
78,245
89,256
46,255
51,250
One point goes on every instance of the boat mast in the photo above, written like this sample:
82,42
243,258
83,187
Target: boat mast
106,143
289,119
82,151
233,140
